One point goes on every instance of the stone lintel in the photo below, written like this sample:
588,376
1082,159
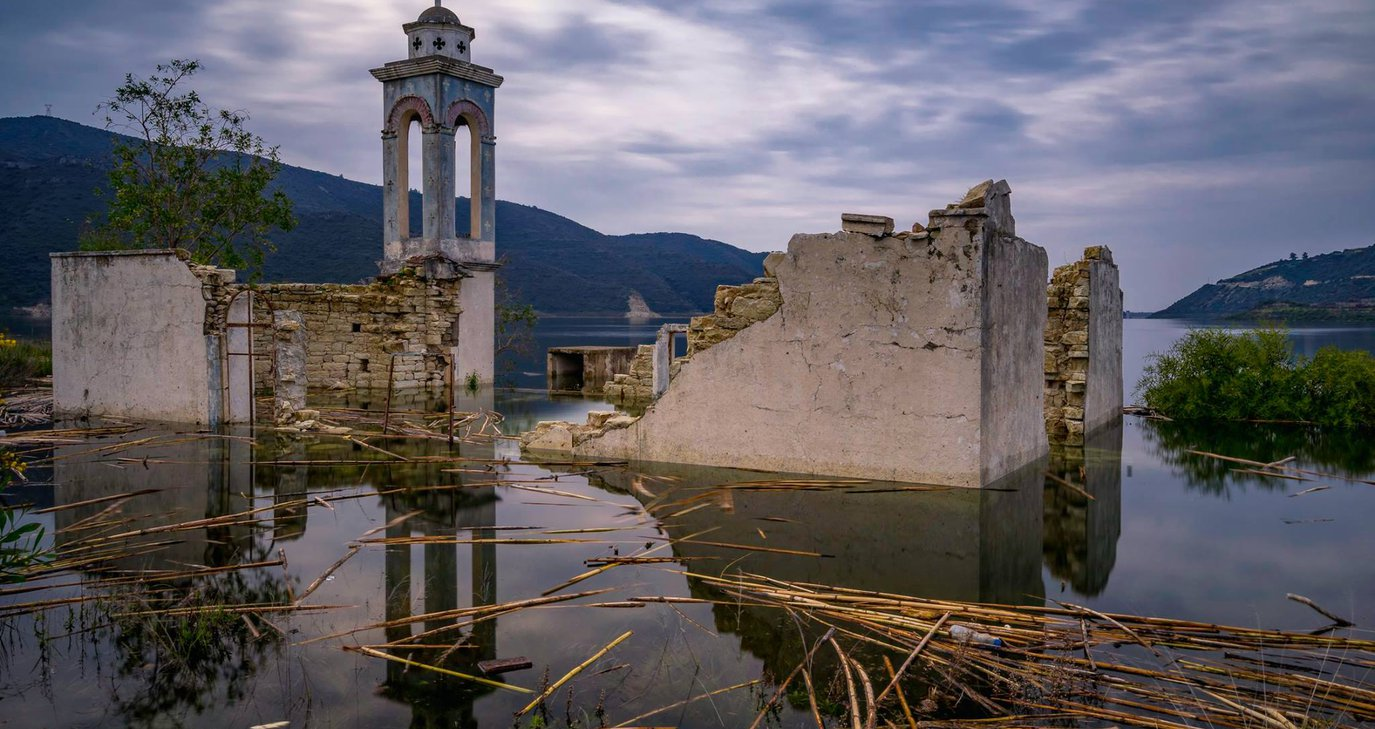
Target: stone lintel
397,70
875,225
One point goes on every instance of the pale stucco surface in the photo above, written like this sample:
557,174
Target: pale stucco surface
906,358
129,338
1103,388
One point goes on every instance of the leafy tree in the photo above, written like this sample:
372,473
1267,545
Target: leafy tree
188,177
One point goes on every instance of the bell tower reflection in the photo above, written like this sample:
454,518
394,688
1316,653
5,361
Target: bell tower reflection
437,700
1080,542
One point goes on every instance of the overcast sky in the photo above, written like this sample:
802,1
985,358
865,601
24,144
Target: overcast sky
1197,138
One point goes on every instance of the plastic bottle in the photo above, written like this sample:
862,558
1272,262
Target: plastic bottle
974,637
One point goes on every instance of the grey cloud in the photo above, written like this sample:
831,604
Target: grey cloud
1171,130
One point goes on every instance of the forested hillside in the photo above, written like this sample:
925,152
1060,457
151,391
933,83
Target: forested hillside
50,170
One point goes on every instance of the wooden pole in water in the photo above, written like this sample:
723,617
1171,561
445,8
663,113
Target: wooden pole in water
391,372
450,359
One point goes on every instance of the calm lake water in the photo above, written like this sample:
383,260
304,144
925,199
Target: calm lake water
1167,532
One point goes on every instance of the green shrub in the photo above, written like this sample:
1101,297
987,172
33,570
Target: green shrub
1340,387
21,543
1216,375
22,361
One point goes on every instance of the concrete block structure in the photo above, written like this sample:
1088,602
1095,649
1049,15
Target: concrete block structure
1083,348
909,357
132,337
585,370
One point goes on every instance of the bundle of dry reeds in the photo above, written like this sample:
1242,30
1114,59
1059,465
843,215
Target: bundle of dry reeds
1035,666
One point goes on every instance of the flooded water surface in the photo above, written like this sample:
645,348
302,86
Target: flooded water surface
249,578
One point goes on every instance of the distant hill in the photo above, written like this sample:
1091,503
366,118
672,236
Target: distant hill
50,169
1331,286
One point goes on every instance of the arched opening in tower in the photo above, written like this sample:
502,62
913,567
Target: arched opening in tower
467,179
412,141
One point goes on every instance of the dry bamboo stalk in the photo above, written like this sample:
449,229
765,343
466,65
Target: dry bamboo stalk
849,684
372,447
807,659
103,499
811,699
325,575
679,704
902,698
398,521
475,679
571,674
771,550
457,613
1070,485
871,716
913,656
1339,622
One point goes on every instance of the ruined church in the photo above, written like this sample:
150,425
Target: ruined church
146,334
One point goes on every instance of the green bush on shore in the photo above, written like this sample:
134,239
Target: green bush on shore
1215,375
22,361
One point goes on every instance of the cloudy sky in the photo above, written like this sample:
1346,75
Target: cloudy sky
1196,138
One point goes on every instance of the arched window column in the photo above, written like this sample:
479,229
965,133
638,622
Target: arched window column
482,166
396,141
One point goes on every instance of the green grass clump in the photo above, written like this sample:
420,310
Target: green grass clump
1216,375
22,361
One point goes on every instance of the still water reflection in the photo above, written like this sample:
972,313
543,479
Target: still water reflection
1137,521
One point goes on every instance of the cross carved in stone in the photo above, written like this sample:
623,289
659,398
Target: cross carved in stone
417,43
439,44
462,47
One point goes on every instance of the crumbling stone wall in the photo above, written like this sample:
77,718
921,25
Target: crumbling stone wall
1083,348
736,308
353,330
637,386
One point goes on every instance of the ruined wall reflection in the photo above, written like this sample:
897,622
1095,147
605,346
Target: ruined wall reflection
1081,533
979,545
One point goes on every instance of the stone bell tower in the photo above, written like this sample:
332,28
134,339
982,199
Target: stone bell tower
439,86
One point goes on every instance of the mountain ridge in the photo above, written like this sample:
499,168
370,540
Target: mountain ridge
1326,286
50,169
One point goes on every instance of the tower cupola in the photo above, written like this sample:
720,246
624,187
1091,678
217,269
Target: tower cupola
439,32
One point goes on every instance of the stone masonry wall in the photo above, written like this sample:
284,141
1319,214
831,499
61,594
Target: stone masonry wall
353,330
1083,361
736,307
637,386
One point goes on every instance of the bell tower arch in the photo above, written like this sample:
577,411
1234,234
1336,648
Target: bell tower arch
440,87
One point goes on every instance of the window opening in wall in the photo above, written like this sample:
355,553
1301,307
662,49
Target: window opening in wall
357,328
363,365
